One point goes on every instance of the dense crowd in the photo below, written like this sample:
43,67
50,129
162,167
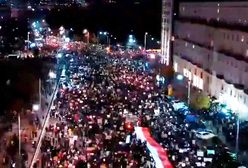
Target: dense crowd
91,125
95,112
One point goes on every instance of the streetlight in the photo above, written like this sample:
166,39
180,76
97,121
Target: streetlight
105,34
145,40
87,33
237,137
36,107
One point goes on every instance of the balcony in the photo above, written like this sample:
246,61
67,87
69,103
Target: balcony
233,55
214,23
228,53
193,42
220,76
246,91
239,86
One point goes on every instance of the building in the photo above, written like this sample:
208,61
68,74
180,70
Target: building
211,50
166,29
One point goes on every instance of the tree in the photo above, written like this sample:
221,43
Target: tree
200,101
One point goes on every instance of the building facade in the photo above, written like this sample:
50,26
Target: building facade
211,49
166,29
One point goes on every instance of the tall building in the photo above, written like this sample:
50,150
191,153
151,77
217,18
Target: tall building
166,29
211,50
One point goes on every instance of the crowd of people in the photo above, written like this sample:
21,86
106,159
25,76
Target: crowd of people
97,108
91,127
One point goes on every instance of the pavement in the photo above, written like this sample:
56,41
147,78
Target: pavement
26,131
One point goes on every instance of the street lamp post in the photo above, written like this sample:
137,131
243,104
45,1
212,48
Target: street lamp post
87,34
145,40
189,91
237,136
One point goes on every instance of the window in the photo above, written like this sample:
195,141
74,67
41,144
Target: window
244,99
237,37
242,39
175,66
201,74
230,92
195,71
222,87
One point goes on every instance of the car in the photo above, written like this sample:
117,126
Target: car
204,134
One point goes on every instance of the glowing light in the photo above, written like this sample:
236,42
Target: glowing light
179,77
36,107
67,39
152,56
85,31
59,55
52,75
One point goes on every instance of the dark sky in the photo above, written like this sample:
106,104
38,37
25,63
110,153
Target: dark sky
120,20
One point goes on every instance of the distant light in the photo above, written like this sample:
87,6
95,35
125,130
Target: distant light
152,56
52,75
67,39
43,21
34,24
152,38
157,77
179,77
131,41
100,32
140,47
32,45
59,55
85,31
130,36
105,33
36,107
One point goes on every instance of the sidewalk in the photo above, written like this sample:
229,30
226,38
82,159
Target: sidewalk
217,129
26,131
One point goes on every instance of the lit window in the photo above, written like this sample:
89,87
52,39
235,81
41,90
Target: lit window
193,46
175,66
218,10
200,84
242,39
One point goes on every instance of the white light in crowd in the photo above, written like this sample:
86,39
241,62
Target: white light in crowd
179,77
32,45
131,41
67,39
36,107
59,55
152,56
140,47
85,31
52,74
